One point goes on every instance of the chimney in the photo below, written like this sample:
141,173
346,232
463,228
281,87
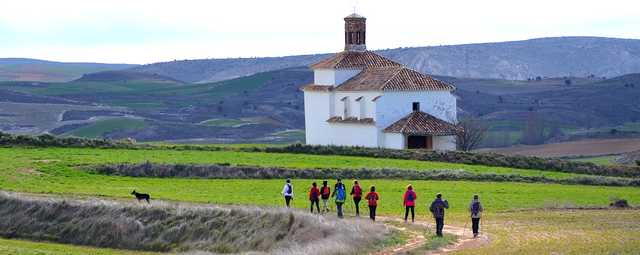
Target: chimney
354,33
416,106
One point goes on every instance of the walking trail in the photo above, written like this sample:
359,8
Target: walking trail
464,240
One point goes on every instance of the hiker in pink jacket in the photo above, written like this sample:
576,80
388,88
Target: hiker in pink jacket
409,203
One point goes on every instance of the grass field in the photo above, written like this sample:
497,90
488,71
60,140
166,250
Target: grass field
24,247
52,170
102,127
601,160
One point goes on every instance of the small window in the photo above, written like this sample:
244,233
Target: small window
345,101
416,106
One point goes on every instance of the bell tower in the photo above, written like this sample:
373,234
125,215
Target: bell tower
355,27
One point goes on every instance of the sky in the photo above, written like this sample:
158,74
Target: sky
141,31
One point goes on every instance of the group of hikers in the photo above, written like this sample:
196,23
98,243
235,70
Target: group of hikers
339,195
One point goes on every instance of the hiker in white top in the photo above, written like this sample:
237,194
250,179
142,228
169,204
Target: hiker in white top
475,208
287,192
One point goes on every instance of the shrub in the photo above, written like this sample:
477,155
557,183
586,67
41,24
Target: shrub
225,171
489,159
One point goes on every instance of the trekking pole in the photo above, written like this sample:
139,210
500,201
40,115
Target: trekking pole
465,228
351,205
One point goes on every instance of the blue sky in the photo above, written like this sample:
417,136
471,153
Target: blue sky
150,31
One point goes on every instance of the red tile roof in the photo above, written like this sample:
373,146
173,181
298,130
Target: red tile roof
392,79
421,123
354,59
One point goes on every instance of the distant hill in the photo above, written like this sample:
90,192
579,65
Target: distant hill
516,60
268,105
124,75
24,69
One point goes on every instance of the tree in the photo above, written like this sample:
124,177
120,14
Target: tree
567,82
470,132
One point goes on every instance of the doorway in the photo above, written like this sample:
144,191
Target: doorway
419,142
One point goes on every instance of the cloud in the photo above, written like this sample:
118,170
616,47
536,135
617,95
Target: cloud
145,31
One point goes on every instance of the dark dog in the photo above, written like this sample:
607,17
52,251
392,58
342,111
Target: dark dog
141,196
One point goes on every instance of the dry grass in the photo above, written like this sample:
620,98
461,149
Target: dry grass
181,227
559,231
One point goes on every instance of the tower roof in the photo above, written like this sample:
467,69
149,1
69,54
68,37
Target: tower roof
354,60
355,16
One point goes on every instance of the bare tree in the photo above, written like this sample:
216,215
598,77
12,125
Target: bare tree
470,133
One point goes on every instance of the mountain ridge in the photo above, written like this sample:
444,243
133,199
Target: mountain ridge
513,60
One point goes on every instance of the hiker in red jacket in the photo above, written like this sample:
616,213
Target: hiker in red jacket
356,194
372,197
314,197
409,203
325,193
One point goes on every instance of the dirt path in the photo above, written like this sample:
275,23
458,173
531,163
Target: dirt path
465,238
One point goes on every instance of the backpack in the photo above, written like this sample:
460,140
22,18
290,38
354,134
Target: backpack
325,192
314,194
410,196
341,194
288,190
357,191
475,208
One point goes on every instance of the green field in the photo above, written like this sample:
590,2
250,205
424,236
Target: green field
102,127
23,247
600,160
54,171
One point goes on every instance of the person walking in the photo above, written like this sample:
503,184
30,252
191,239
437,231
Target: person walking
314,197
325,193
340,194
372,197
409,203
356,194
437,209
475,208
287,192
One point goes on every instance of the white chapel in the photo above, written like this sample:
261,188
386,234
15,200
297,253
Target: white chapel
359,98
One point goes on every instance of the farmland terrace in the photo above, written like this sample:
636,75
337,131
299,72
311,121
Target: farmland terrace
566,218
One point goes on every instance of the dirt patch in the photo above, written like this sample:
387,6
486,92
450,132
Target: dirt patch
416,230
589,147
46,161
29,171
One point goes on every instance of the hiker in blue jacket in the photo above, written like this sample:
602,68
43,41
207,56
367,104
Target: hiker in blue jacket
437,209
475,208
340,194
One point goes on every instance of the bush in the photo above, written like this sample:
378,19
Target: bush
226,171
47,140
489,159
619,203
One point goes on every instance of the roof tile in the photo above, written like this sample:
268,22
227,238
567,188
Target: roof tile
354,59
421,123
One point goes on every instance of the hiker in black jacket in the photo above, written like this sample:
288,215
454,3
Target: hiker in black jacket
475,208
437,209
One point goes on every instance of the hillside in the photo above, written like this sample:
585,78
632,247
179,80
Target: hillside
516,60
268,107
124,75
24,69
